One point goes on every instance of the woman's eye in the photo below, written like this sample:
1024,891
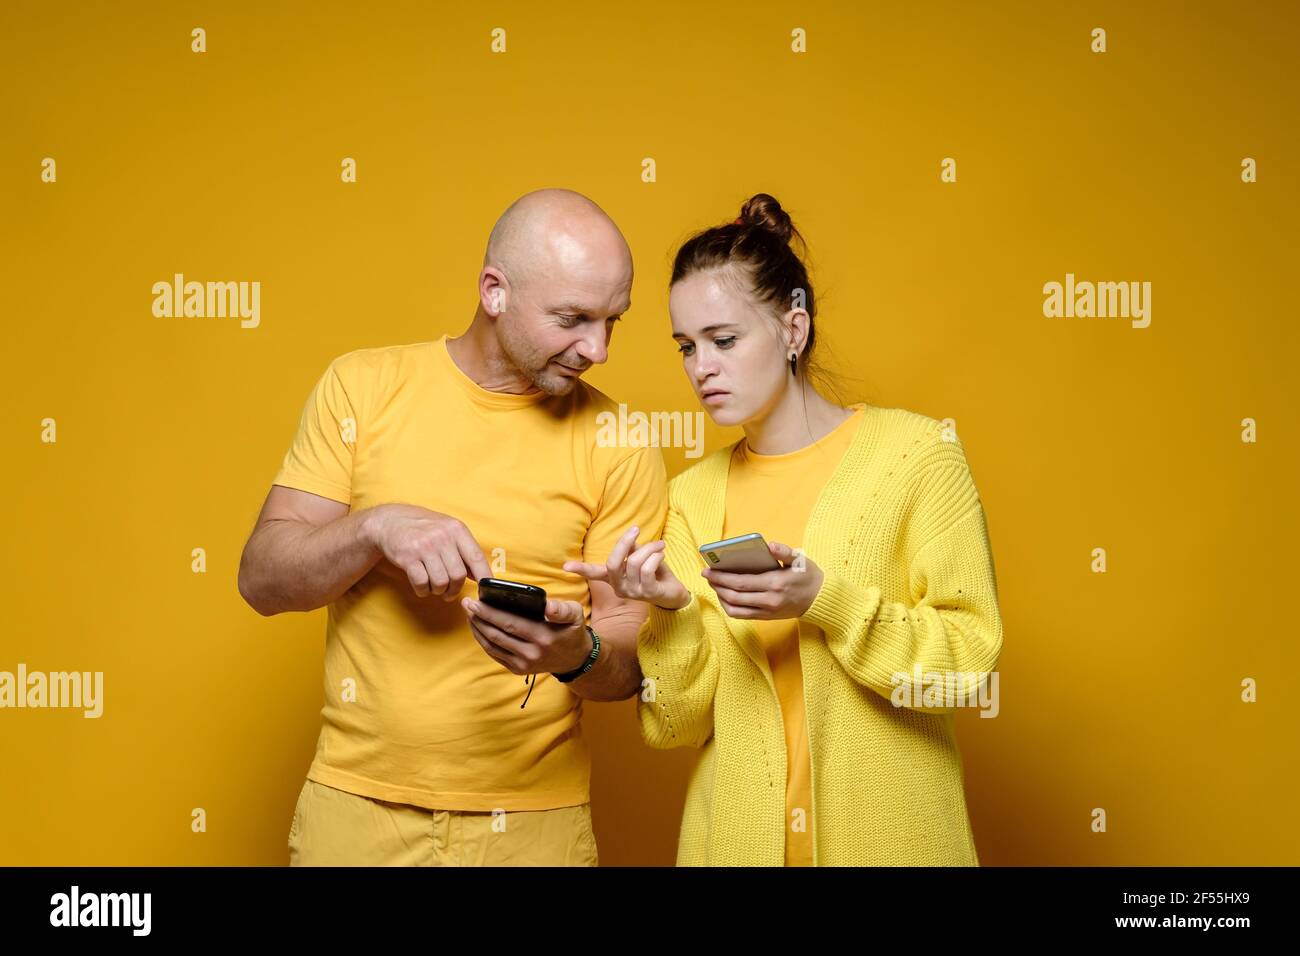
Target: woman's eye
686,348
725,342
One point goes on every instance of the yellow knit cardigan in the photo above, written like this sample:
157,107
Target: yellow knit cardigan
900,534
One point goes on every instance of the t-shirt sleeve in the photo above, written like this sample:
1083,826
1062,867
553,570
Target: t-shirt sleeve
636,493
320,458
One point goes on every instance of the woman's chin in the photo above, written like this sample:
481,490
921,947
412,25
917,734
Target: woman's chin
724,417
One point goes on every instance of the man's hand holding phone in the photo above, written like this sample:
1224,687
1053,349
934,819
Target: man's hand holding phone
557,644
637,573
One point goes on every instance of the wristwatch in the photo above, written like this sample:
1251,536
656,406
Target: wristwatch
588,664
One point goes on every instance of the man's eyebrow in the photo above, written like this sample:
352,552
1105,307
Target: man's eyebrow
707,329
582,309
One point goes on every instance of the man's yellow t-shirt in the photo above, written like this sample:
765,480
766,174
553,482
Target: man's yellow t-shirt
774,495
415,711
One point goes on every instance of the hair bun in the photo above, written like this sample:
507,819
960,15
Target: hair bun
765,212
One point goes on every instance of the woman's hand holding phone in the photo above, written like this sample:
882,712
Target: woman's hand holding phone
637,573
769,595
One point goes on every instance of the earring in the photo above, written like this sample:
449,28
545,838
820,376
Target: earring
794,364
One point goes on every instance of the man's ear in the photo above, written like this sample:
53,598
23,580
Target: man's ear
494,291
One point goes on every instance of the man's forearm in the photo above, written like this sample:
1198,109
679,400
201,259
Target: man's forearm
616,675
297,566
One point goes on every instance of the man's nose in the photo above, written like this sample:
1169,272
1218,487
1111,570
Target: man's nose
594,346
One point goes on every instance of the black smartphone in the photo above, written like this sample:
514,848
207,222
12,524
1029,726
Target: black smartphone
526,600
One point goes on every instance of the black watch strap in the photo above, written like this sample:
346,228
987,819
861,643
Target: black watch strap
587,664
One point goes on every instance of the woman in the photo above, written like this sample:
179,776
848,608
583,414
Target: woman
788,678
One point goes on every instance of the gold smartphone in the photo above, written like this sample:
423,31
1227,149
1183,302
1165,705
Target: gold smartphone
745,553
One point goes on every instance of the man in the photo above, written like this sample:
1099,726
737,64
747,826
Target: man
417,467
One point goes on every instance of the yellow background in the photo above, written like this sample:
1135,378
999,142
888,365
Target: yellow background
1118,690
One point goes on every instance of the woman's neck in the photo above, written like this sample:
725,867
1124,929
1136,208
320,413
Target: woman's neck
799,418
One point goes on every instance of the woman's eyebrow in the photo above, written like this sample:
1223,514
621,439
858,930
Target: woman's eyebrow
707,329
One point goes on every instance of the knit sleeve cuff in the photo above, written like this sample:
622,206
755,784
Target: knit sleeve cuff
664,629
841,607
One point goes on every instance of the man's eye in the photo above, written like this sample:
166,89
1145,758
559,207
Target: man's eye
569,319
725,342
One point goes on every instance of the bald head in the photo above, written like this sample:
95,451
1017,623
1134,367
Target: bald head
557,231
556,278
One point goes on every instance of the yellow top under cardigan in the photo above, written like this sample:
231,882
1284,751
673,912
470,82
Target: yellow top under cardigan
900,535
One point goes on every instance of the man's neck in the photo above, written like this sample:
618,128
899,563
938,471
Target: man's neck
478,354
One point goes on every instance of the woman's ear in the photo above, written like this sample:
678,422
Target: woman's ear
796,323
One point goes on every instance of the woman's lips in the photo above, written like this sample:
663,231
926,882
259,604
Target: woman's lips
715,398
